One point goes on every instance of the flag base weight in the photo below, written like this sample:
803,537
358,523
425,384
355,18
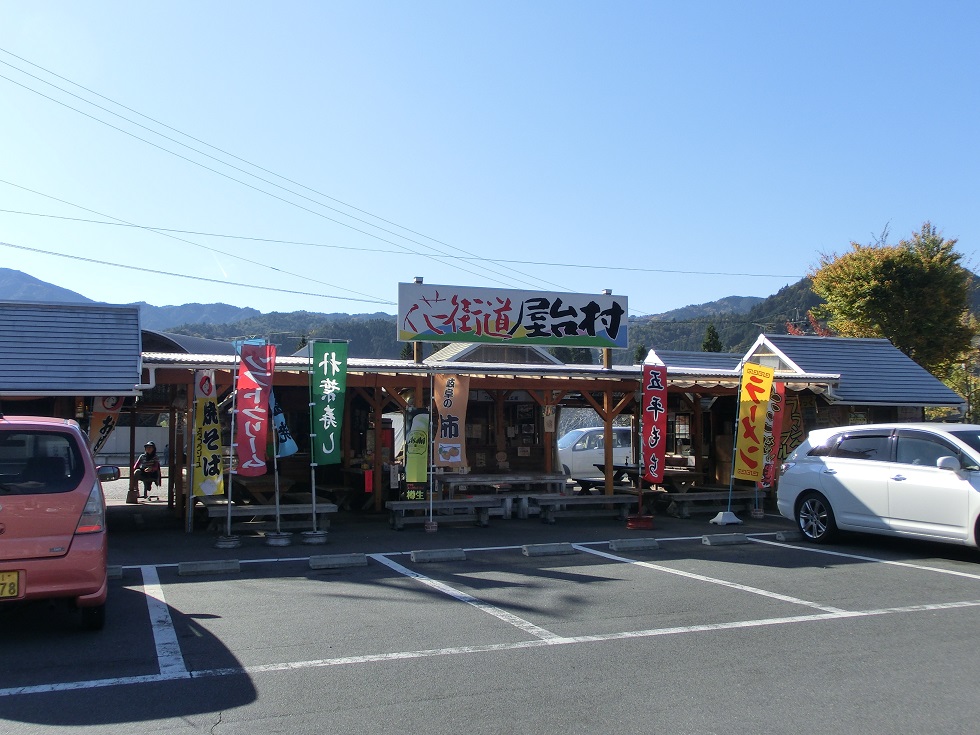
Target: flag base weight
636,523
726,518
431,526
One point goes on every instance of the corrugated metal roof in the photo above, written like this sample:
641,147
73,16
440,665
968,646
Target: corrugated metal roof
154,341
491,353
873,371
69,349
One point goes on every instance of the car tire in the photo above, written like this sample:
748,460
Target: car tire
93,618
815,518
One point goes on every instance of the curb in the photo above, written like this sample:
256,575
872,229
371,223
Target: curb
625,544
426,555
221,566
789,536
338,561
548,549
724,539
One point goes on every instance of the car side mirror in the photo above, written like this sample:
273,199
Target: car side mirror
948,463
108,473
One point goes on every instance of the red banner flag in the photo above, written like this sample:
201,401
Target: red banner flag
252,403
653,427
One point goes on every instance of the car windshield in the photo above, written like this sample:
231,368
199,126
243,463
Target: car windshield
971,439
36,462
570,438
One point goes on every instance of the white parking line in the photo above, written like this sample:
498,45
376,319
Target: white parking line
520,623
169,655
466,650
876,560
713,580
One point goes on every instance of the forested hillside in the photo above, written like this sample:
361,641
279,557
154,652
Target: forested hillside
373,336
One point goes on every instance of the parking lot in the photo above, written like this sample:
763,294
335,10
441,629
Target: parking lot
760,636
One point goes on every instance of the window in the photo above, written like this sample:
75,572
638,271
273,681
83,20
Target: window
863,446
33,462
922,450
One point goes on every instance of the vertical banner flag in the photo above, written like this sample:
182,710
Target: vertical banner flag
753,402
774,429
793,429
105,416
653,423
252,403
328,388
417,453
284,439
452,393
208,478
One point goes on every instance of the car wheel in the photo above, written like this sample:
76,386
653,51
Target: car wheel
815,518
93,618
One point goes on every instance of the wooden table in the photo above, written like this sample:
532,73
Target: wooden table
531,482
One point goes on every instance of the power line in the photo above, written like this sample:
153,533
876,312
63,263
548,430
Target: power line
225,163
191,278
209,145
189,242
397,252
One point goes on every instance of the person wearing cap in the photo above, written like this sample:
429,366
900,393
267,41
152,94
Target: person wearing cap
147,468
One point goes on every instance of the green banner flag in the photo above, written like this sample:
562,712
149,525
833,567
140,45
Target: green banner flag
328,386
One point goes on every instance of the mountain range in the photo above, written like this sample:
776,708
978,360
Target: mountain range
738,320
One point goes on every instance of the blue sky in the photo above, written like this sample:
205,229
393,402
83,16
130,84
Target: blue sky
673,152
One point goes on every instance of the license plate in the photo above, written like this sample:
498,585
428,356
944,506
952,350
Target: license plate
9,585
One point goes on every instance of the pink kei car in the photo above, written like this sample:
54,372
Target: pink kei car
52,516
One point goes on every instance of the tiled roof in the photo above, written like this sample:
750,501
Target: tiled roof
698,360
873,371
69,349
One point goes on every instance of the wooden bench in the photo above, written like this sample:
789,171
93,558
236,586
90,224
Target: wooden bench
257,515
477,510
541,482
554,506
681,504
523,502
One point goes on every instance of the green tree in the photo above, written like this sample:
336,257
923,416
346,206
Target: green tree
915,293
640,354
573,355
712,342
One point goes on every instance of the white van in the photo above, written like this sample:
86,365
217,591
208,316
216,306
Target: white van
580,450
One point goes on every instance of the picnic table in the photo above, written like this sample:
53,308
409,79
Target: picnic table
676,479
497,482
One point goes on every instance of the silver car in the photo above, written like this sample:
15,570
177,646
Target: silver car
580,450
915,480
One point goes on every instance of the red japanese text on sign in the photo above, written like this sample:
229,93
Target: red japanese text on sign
653,423
254,383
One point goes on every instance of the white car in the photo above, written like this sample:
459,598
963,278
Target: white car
914,480
580,450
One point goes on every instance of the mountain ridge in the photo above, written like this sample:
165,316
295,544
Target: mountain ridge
738,320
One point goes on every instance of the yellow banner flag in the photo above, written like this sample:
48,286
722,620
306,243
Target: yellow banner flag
751,429
208,479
